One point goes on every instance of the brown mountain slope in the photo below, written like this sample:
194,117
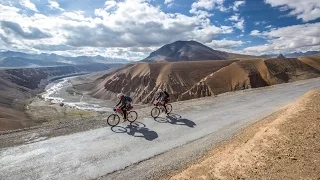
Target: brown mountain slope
233,56
252,74
141,80
13,119
195,79
313,61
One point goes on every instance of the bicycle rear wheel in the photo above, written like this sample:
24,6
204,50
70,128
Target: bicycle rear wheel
132,116
113,120
169,108
155,112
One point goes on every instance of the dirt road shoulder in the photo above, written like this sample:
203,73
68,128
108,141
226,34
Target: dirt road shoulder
286,145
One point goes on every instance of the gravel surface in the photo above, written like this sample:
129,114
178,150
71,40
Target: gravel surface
146,149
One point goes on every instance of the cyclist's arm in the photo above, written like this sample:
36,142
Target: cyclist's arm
118,103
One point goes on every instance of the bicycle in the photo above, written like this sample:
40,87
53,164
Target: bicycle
155,112
114,119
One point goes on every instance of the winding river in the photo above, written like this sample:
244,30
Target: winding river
56,92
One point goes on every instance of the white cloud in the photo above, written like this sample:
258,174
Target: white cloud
239,22
109,4
288,39
169,2
75,16
207,5
28,4
117,28
257,23
306,10
224,44
237,4
255,33
269,26
234,17
53,4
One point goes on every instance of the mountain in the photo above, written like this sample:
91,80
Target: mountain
23,62
43,59
253,74
293,55
189,51
281,56
141,80
195,79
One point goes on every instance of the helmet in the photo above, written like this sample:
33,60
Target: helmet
120,95
159,90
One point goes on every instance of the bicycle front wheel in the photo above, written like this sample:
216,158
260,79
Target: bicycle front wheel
155,112
132,116
169,108
113,120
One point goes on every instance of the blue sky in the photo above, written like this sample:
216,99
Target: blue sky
133,28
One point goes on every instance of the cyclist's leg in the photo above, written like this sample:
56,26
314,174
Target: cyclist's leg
124,111
165,108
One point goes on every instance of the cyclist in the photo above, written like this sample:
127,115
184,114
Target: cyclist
162,96
125,103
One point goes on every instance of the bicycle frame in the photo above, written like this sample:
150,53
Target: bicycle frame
120,112
160,103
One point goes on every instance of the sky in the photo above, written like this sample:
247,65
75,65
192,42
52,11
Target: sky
132,29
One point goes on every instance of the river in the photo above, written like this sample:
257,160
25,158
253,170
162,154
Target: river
56,92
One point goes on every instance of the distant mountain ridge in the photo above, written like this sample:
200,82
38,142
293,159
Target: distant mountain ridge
23,62
20,59
293,55
189,51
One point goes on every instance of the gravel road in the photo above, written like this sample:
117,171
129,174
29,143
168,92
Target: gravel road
146,149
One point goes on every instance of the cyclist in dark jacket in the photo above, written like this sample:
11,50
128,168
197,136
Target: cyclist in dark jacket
125,103
162,97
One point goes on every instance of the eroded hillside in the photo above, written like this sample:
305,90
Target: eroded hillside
141,80
195,79
253,74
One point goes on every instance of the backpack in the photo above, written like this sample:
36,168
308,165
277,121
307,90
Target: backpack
166,93
128,99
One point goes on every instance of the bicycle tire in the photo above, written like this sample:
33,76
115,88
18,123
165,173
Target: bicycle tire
169,108
113,120
132,116
155,112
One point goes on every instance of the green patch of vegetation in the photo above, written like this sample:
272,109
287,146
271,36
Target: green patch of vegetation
72,91
40,96
81,113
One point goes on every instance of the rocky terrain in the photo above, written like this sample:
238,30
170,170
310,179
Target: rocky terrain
195,79
189,51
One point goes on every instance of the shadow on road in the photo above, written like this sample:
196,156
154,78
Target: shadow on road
136,129
176,119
